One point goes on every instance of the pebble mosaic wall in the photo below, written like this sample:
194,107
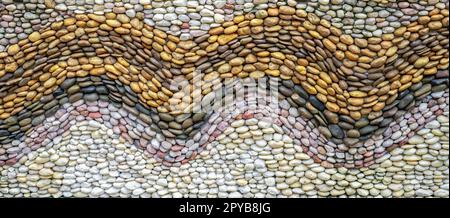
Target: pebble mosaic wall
224,98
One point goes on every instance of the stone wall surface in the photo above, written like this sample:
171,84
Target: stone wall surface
224,98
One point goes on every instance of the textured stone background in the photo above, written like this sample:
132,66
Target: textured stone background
96,98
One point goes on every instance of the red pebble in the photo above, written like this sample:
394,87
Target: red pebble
216,133
176,148
368,154
123,128
185,26
38,140
11,162
316,159
194,154
229,6
338,165
151,150
349,165
95,115
247,115
322,150
184,161
368,159
160,154
369,163
378,155
127,137
326,164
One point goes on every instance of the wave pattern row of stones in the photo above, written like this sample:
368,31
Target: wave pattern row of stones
191,18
